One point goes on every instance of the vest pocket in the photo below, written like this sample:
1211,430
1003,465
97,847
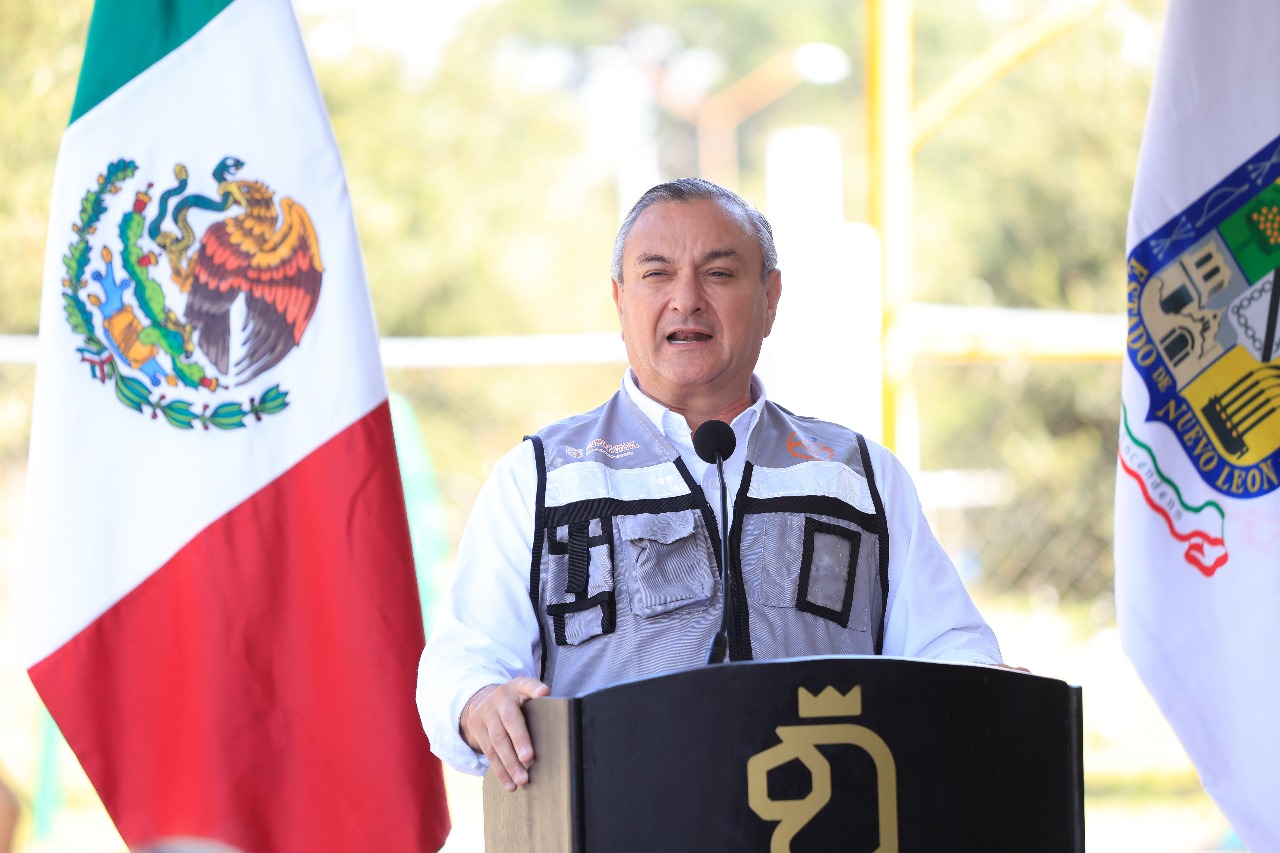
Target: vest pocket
580,582
674,564
828,567
809,563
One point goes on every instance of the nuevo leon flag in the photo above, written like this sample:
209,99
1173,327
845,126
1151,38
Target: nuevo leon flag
1197,534
220,606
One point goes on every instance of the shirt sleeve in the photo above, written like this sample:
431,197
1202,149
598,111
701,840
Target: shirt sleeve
484,630
929,612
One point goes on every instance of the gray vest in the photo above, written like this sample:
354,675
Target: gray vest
625,576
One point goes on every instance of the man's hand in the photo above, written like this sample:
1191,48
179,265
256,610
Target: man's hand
493,723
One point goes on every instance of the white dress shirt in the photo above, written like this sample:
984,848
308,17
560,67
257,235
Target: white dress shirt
485,630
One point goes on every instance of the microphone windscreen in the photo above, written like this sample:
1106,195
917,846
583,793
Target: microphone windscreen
712,438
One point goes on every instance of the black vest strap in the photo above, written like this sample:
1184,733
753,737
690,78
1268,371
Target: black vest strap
539,533
884,539
581,511
815,505
739,615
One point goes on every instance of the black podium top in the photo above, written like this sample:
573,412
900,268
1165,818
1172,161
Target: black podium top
848,753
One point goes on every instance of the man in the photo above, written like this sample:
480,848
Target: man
592,555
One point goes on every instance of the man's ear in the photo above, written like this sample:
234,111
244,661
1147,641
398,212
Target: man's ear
772,292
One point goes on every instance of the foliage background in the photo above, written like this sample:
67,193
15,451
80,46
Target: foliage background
486,205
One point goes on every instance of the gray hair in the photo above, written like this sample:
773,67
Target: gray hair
693,189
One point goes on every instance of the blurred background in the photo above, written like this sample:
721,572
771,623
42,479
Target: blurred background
491,147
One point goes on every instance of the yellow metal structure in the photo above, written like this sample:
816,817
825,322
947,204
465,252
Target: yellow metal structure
896,128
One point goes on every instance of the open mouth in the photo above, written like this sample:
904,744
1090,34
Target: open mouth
687,337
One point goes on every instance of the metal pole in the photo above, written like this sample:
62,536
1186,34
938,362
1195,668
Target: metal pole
1010,51
889,100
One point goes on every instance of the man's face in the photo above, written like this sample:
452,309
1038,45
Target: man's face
692,305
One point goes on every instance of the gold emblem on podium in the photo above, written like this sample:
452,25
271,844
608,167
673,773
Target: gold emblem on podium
800,743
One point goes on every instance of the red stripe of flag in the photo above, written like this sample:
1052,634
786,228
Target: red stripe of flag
258,688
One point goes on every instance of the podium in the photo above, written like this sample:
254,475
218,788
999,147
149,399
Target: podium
816,754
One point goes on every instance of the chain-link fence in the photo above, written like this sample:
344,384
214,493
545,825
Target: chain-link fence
1019,472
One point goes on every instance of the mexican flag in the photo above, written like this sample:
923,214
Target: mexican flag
219,602
1197,533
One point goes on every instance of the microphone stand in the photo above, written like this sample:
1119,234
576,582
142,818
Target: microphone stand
714,441
719,651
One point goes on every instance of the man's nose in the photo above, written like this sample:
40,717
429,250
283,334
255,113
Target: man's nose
687,294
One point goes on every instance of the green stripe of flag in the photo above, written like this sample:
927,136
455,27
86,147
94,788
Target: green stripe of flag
128,36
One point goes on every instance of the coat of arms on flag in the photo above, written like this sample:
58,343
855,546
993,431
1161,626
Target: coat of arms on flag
1202,306
166,341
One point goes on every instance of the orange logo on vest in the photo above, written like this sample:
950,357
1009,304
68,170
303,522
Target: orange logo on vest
805,447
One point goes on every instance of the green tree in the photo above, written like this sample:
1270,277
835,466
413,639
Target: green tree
1022,201
40,50
474,211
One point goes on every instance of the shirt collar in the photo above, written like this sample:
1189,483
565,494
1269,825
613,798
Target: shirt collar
670,424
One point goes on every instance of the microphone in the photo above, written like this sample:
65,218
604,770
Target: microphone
714,441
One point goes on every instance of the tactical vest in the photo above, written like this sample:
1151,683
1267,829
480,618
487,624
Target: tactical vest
625,575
